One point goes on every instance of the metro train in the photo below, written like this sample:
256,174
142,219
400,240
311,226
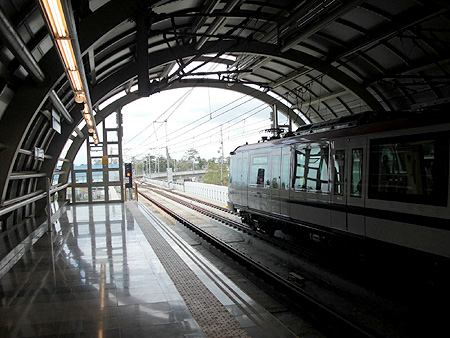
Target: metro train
378,177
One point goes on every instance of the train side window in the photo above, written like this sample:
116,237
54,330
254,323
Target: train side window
311,169
260,178
339,172
356,174
258,170
300,161
317,170
410,169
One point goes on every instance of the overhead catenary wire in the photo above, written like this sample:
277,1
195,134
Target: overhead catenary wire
183,144
180,146
179,133
226,121
199,146
183,149
224,129
181,100
264,107
217,110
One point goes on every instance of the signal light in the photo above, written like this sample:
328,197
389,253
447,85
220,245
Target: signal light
128,175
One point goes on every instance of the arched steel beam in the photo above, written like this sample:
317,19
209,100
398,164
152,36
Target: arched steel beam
240,46
99,117
240,88
93,28
128,72
102,89
18,47
20,113
188,83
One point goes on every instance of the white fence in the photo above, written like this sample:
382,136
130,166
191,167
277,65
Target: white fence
161,183
209,191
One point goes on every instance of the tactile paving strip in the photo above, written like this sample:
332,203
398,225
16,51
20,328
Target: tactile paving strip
210,314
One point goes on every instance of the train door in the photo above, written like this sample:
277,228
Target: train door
244,179
259,181
339,189
235,187
276,181
285,179
356,184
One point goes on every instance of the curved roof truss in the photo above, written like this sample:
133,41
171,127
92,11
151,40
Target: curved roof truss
322,59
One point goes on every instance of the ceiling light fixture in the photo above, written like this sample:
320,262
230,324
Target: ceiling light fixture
62,35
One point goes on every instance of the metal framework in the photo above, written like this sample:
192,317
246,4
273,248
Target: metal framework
322,59
101,180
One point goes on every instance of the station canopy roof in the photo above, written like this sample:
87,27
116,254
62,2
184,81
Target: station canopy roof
323,59
315,59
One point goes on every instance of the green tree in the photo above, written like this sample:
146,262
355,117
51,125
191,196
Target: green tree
190,154
201,162
191,160
212,175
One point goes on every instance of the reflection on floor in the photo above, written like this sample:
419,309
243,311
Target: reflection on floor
103,280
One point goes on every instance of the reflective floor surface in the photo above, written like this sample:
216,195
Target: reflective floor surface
102,280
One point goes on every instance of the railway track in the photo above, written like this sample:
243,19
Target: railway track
299,250
331,320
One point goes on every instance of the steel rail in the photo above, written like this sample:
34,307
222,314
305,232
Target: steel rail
28,199
294,293
281,243
218,207
299,250
205,211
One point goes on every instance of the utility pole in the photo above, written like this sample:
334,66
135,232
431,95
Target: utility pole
221,158
167,156
274,118
169,170
149,165
167,148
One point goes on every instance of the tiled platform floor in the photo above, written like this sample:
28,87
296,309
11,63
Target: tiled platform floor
100,277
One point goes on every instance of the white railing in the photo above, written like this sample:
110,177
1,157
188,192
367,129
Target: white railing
210,191
163,183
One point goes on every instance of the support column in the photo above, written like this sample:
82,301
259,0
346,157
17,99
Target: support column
142,27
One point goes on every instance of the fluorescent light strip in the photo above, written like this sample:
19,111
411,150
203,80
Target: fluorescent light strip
67,52
49,14
58,18
95,137
55,17
89,121
76,80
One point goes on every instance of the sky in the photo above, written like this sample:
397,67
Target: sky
194,118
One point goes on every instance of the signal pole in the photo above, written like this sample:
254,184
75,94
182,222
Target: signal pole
149,165
169,170
128,179
221,158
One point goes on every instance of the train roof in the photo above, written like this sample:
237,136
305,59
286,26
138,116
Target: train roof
358,124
